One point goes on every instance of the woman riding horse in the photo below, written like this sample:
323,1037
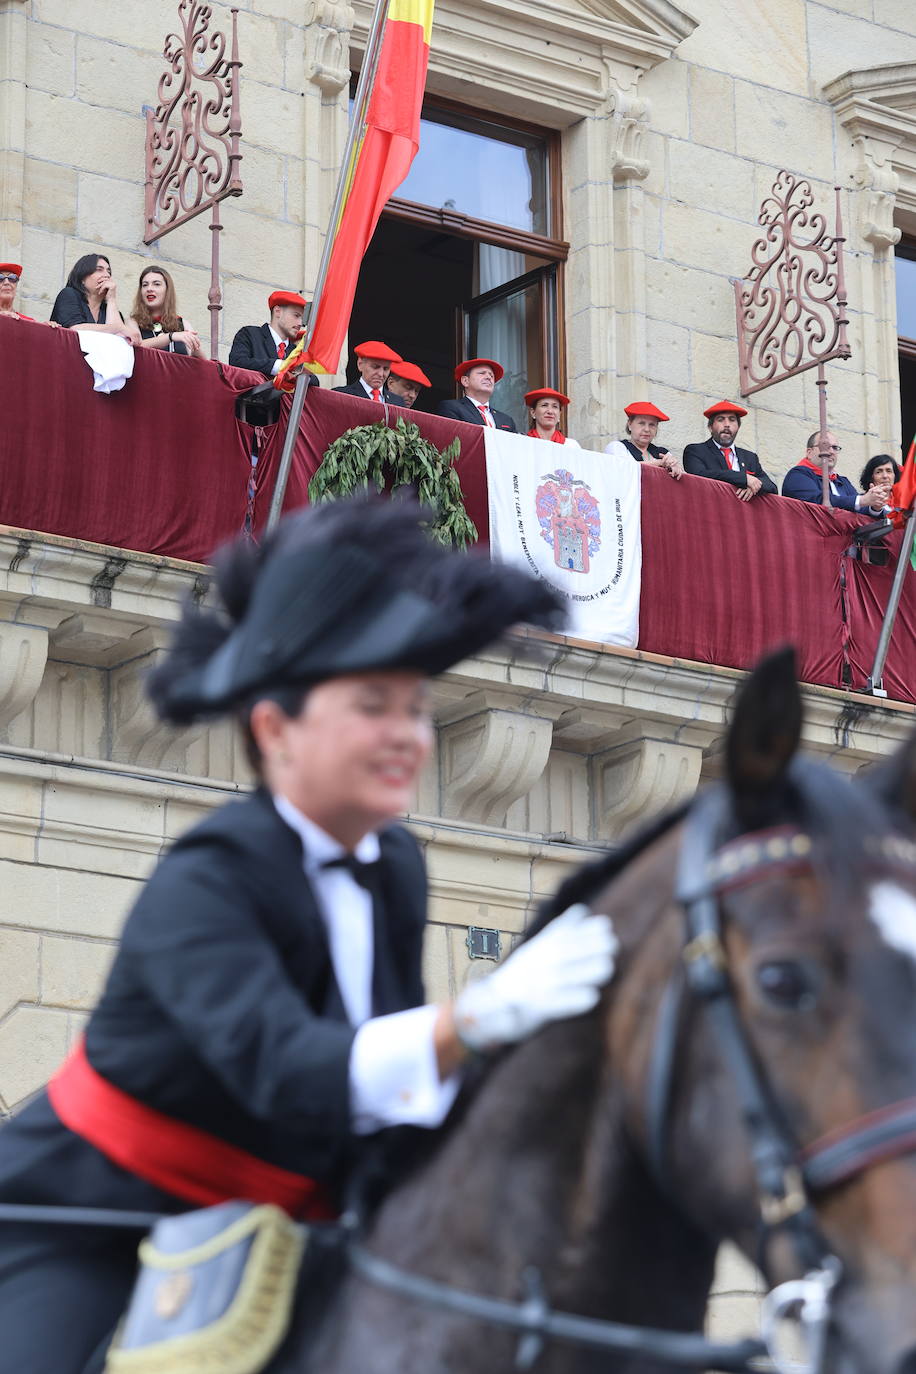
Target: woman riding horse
265,1011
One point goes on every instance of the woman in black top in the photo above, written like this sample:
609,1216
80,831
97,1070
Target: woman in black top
90,300
643,419
155,313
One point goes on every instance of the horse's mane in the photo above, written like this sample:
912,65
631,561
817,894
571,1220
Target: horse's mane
826,804
582,885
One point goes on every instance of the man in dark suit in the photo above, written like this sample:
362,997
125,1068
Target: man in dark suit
262,347
804,481
373,363
720,459
406,382
477,378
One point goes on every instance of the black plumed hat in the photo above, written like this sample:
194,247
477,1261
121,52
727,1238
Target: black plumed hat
347,587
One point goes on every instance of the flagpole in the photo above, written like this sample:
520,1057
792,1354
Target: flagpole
364,88
875,683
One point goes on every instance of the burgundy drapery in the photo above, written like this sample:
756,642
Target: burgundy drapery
164,467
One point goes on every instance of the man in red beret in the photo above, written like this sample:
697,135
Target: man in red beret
374,361
406,382
262,347
477,377
719,458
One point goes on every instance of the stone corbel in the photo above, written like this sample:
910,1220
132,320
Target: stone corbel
639,779
489,760
328,28
137,735
23,658
875,175
628,118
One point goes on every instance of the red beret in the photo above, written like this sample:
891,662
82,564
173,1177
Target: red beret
285,298
545,393
374,349
409,372
11,267
644,408
463,368
724,408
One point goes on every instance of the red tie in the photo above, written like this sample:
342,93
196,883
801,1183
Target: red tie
727,455
487,418
376,394
281,350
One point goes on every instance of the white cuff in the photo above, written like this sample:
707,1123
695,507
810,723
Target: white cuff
276,367
394,1078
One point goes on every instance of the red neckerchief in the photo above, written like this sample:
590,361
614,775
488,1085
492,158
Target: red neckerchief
816,467
555,438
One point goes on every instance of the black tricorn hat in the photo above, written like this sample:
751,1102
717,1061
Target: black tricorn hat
351,586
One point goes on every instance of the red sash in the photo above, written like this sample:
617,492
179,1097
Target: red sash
181,1159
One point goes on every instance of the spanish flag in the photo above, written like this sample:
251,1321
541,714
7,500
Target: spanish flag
389,145
903,494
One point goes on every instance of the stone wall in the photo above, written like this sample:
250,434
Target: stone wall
673,124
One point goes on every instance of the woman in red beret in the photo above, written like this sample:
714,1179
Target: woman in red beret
643,419
10,272
544,406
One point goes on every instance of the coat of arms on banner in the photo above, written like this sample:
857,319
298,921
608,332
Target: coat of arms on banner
569,518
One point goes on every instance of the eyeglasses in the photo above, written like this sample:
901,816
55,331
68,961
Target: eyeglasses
8,276
833,448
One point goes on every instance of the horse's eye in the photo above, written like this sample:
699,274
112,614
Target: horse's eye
787,984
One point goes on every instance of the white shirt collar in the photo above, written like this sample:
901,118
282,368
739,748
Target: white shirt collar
368,389
276,337
319,846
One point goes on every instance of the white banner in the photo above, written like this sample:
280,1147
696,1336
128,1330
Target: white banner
572,517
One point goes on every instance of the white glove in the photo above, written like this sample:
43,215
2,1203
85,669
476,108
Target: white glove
558,973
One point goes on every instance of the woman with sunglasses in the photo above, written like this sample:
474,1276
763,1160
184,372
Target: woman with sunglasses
10,273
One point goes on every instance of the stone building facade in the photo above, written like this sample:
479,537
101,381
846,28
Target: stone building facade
671,125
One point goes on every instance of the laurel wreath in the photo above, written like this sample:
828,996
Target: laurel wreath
387,457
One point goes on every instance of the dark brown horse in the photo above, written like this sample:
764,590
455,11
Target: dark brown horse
552,1164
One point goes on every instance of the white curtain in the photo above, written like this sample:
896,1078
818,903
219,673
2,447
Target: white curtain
501,329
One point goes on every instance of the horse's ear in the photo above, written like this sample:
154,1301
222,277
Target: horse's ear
765,730
894,779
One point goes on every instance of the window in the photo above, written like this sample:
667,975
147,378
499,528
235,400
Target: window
905,278
467,261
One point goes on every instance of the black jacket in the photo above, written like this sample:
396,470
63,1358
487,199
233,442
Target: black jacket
357,389
705,460
253,347
467,411
222,1010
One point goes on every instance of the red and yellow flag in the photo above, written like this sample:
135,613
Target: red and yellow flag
903,493
389,146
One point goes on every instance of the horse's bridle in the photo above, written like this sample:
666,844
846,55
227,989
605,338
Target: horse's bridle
786,1174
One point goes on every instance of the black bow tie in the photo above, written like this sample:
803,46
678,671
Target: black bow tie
359,870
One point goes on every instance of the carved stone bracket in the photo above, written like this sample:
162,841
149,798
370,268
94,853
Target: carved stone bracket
639,778
138,736
329,24
489,760
875,175
876,106
23,658
628,117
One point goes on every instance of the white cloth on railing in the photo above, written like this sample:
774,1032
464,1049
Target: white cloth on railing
110,357
572,517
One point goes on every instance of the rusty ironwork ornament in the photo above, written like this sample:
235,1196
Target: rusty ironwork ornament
791,306
193,135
